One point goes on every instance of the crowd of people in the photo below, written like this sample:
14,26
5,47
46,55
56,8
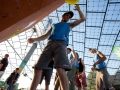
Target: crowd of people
70,71
13,77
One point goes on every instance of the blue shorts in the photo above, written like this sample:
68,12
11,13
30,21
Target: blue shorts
47,73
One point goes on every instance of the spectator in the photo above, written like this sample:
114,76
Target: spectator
47,73
12,79
101,70
74,64
3,64
80,77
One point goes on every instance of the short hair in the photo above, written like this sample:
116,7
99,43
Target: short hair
7,55
69,49
17,69
70,12
90,49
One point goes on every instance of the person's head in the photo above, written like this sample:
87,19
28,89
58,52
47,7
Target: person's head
17,70
92,50
68,50
77,56
79,60
67,16
6,56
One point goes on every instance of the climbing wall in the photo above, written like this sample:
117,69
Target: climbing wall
19,15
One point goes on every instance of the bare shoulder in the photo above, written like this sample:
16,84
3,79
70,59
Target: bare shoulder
73,52
100,54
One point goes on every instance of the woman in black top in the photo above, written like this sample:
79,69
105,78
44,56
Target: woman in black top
80,77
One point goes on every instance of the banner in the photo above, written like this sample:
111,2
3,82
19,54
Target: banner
116,51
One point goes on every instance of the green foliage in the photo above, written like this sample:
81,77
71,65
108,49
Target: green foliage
91,80
5,86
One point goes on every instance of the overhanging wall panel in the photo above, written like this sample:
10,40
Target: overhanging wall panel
17,14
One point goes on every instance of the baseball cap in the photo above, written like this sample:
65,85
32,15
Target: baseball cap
69,12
